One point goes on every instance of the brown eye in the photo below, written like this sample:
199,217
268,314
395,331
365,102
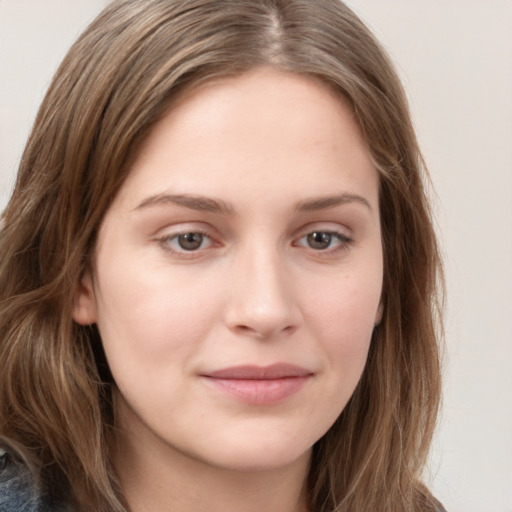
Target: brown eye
190,241
319,240
329,242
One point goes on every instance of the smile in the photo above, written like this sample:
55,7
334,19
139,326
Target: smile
257,385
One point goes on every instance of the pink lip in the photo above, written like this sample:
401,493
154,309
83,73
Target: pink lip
257,385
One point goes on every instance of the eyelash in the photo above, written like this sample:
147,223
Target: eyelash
165,242
343,242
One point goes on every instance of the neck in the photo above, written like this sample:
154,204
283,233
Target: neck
159,479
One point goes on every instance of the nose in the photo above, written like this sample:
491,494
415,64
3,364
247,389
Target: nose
263,302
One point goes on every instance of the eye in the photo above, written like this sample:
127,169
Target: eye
186,242
190,241
323,240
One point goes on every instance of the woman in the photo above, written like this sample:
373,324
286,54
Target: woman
218,270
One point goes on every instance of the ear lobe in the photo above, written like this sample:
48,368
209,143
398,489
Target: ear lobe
378,316
84,302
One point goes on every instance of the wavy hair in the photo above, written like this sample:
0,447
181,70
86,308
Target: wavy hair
115,83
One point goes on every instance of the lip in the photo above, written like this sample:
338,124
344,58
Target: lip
259,385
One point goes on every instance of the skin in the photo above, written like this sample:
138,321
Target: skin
282,157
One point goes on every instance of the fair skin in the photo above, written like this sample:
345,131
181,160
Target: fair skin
236,283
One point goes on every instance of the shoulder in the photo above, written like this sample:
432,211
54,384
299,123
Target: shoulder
18,489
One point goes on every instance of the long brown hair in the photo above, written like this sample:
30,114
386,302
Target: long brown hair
115,83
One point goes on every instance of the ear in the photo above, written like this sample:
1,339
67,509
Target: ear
84,302
378,315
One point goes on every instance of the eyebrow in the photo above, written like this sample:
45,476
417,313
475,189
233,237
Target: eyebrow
323,203
208,204
200,203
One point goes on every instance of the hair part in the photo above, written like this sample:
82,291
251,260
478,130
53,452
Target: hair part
116,82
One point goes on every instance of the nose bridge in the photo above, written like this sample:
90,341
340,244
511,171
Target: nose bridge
262,301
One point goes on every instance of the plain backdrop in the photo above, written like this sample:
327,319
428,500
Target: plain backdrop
455,58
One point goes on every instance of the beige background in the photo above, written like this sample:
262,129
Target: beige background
455,57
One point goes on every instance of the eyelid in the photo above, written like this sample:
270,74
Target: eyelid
341,237
324,227
341,232
165,235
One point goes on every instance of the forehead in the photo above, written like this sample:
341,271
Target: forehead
262,129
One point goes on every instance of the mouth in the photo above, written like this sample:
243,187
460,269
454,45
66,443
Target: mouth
259,385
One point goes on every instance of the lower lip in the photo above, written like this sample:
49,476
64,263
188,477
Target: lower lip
259,391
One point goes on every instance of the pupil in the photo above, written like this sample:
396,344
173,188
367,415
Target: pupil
319,240
190,241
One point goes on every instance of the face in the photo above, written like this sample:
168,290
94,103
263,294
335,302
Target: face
237,275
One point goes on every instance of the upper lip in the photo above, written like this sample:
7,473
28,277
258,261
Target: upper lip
253,372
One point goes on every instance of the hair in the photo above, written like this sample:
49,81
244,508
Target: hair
115,83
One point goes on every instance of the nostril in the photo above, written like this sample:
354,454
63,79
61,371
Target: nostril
246,330
264,333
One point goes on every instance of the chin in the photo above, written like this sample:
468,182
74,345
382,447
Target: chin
259,453
256,461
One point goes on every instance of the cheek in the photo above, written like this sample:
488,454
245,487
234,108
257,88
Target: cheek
150,320
342,322
343,316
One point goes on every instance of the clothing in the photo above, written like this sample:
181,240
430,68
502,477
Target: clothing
18,490
19,493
